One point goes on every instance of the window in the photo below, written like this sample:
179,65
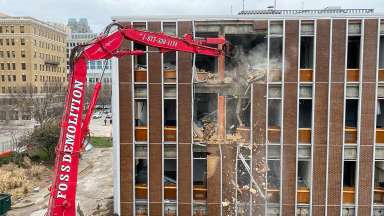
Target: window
7,42
23,66
24,77
169,67
22,53
2,66
307,28
273,181
21,29
13,66
1,42
14,78
3,78
349,179
1,54
170,120
354,28
2,89
303,182
22,41
141,179
353,58
170,179
381,52
13,42
276,28
351,117
13,54
13,115
379,183
199,173
1,29
306,52
12,29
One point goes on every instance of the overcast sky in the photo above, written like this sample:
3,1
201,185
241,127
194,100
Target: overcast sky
99,12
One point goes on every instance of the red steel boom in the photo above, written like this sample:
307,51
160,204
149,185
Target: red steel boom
74,127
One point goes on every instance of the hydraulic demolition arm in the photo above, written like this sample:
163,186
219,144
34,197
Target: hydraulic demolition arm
74,127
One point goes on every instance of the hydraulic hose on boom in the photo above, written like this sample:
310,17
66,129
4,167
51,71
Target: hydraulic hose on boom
74,127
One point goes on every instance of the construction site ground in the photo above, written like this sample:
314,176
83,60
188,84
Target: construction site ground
95,182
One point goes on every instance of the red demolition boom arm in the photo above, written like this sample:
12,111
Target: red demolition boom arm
74,127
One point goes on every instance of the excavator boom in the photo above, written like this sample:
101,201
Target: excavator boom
74,127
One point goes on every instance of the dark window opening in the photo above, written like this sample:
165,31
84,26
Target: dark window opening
170,176
304,174
306,52
205,63
170,113
140,60
305,113
353,59
380,114
349,176
351,113
141,178
200,172
379,182
381,52
205,108
169,67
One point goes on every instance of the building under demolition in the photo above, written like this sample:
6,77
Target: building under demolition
289,122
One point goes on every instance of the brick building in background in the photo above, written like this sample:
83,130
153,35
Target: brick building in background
32,62
290,123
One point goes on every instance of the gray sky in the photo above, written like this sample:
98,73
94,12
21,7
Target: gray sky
99,12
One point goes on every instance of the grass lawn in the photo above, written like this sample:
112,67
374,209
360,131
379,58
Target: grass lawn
101,142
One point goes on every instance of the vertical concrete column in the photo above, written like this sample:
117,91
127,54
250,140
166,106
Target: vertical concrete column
259,118
290,117
126,130
185,118
155,98
336,121
368,103
320,117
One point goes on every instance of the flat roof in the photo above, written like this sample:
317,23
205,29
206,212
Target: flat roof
251,15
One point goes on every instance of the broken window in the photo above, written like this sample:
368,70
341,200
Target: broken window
238,115
303,181
243,182
349,181
140,64
205,115
169,67
249,50
141,179
170,179
199,173
274,120
274,91
379,183
170,120
351,118
140,120
273,181
205,64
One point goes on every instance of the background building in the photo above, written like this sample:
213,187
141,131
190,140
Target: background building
32,64
80,33
289,124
